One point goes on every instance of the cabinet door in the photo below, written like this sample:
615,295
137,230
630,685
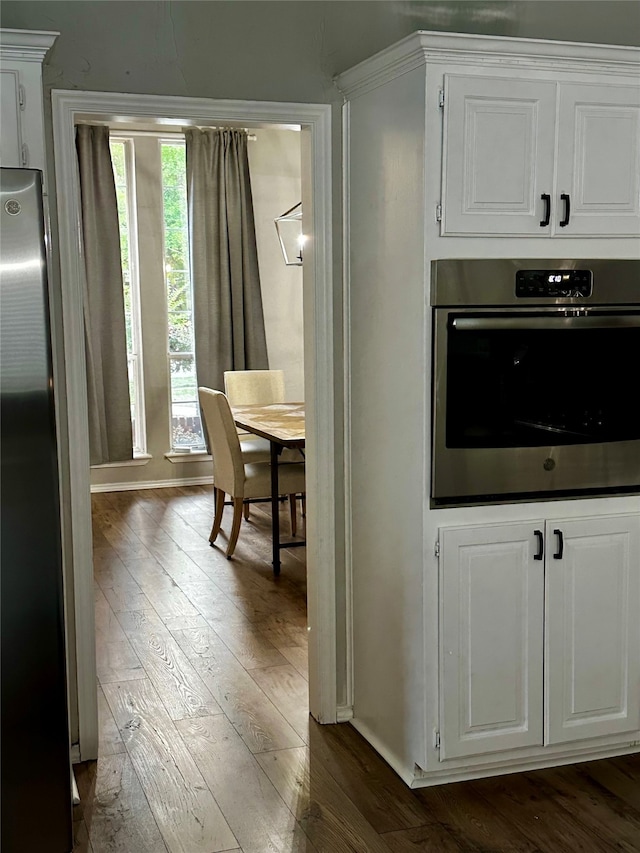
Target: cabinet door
592,670
10,130
599,160
498,156
491,638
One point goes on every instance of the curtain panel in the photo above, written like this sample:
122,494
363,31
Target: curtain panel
228,316
110,434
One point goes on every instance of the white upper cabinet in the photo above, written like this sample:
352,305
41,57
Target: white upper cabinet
12,152
22,130
598,160
498,155
530,157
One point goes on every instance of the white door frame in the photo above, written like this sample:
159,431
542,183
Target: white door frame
315,120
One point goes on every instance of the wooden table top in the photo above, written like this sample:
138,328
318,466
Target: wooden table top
279,422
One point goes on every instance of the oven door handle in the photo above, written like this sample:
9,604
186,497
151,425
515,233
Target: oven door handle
617,321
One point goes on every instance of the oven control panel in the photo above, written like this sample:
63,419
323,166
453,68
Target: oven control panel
568,284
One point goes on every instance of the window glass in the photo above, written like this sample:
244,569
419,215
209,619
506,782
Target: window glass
186,428
122,159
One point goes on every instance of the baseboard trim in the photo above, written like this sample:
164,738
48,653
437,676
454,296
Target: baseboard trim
152,484
344,713
75,753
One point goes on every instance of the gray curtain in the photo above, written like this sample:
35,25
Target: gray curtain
228,317
110,436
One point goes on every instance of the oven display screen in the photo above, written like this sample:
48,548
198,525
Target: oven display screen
576,284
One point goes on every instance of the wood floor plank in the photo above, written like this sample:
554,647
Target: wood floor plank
178,565
146,571
109,740
475,821
81,842
166,665
233,576
382,797
183,534
255,718
284,630
211,603
289,692
619,778
108,568
119,816
298,657
108,629
180,623
254,810
432,838
184,809
536,816
248,646
123,539
608,818
117,661
167,599
327,815
122,597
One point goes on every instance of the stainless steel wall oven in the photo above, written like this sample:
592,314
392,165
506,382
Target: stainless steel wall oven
536,379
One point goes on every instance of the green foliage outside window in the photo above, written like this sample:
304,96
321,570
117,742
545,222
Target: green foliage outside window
176,258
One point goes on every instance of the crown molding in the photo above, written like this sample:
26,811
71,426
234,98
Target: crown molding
424,48
26,45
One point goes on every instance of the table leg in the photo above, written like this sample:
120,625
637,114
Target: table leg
275,510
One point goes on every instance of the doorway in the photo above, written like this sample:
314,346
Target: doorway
314,120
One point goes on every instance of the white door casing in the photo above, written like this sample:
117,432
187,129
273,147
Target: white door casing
315,120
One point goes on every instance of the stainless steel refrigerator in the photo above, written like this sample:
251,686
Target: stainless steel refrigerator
34,746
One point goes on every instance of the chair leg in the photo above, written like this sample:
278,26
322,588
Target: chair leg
218,497
235,527
246,510
304,504
292,511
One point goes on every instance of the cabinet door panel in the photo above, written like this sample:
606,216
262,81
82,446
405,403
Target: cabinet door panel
599,159
10,139
593,636
498,157
491,639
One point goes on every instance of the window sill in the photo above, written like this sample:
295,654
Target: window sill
138,459
198,456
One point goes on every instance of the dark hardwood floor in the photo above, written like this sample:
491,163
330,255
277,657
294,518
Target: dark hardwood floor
205,739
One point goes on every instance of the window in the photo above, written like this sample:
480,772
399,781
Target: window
155,274
122,159
186,428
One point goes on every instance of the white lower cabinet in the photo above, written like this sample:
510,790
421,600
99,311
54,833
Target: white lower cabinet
539,633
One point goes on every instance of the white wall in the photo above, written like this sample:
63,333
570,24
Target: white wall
274,164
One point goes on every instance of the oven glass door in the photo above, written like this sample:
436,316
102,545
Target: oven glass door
529,379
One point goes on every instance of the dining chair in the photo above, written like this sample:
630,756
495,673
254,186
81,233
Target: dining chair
248,388
254,387
260,388
234,476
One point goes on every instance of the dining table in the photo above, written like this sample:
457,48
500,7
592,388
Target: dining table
283,426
